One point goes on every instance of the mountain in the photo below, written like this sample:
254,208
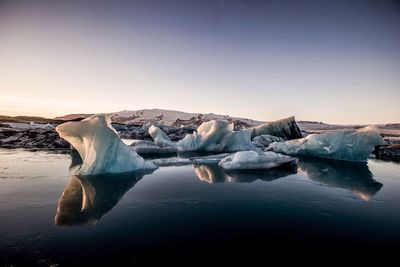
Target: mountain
163,116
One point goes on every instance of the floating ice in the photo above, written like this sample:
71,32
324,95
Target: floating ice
340,145
100,147
159,137
162,143
175,161
216,136
149,147
251,160
264,140
286,128
211,159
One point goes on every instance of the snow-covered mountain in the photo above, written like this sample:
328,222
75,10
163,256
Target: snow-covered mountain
165,117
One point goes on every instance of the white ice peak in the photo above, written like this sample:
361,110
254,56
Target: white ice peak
100,147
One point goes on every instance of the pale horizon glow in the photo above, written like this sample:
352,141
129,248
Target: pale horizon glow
329,61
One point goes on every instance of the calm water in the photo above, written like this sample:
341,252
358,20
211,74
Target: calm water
48,217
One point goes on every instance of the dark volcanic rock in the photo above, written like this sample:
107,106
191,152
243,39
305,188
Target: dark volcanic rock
31,139
388,152
140,133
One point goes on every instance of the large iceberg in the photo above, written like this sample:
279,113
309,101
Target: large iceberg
100,147
285,128
252,160
340,145
216,136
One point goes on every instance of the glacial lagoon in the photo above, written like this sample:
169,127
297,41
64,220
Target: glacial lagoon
50,218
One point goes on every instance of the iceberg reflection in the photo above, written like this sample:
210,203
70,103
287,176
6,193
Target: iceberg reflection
352,176
214,174
87,198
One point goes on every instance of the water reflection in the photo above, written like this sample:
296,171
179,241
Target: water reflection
87,198
213,174
355,177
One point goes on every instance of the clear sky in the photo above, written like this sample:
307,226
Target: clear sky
324,60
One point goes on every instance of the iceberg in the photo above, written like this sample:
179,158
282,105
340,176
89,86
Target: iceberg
252,160
162,143
149,147
285,128
159,137
264,140
101,149
211,159
340,145
216,136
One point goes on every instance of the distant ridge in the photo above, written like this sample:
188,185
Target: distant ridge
166,117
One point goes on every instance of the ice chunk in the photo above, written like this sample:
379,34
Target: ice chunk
100,147
149,147
159,137
264,140
286,128
211,159
251,160
175,161
216,136
340,145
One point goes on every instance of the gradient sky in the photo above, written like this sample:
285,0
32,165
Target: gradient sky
331,61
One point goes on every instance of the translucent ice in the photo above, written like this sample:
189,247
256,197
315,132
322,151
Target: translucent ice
340,145
251,160
100,147
216,136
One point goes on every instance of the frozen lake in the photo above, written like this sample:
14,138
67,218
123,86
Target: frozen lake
51,218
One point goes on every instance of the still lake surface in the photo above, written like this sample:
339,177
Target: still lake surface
50,218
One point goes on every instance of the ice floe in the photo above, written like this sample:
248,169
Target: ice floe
340,145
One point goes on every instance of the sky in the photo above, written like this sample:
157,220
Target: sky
323,60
